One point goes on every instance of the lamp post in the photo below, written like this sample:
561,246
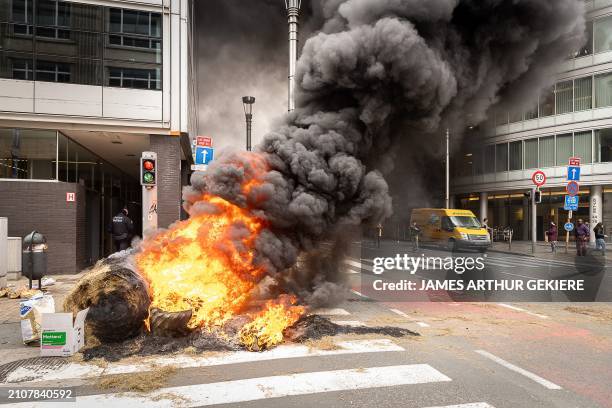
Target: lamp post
293,14
447,195
247,103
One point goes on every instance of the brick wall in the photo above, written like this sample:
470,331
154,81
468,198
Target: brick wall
42,206
168,149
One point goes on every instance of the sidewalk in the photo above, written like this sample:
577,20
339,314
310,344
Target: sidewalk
543,250
11,345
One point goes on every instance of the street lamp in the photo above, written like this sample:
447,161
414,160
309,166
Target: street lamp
247,102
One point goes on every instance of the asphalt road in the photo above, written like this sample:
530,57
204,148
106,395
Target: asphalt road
468,355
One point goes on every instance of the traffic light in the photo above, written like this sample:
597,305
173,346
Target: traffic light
147,171
538,196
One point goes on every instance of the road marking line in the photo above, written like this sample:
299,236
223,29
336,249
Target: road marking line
518,309
262,388
472,405
352,323
359,294
512,367
399,312
84,370
358,264
330,312
349,270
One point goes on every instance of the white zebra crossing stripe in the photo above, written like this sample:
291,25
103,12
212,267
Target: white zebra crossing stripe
359,265
82,370
472,405
359,294
330,312
516,369
262,388
399,312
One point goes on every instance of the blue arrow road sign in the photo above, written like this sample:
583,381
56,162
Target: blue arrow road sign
571,203
204,155
569,227
573,173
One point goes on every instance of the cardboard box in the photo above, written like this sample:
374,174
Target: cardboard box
60,336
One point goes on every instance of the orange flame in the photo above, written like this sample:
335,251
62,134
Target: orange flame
266,329
206,264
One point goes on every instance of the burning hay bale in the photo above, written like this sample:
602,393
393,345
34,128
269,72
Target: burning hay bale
117,298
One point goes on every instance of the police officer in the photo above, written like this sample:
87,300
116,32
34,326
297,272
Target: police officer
122,228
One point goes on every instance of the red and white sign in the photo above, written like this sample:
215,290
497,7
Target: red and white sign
204,141
70,197
574,161
539,178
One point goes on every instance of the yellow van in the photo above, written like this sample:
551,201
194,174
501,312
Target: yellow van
453,229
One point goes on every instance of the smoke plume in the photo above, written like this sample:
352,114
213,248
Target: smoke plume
375,84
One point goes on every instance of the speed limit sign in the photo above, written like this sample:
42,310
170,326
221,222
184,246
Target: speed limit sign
538,178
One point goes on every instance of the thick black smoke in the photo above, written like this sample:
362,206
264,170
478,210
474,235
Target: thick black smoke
374,85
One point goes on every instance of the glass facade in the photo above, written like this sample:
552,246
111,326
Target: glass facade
59,41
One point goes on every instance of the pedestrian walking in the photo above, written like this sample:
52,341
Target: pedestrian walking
379,230
485,225
415,231
552,235
122,228
600,238
582,235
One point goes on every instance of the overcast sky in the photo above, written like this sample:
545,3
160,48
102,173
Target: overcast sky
242,50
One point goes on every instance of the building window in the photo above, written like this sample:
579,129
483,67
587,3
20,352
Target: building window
501,157
53,19
531,153
547,151
28,154
489,159
52,71
564,96
134,78
134,28
22,69
532,113
603,34
22,13
583,146
564,149
583,94
516,115
587,48
603,90
516,155
547,103
603,139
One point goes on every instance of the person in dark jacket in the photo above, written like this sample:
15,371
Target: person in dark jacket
582,235
122,228
552,234
600,238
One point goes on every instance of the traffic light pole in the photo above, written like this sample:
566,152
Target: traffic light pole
534,221
149,197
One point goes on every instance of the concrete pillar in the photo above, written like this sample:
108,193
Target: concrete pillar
484,206
595,209
3,250
526,213
168,149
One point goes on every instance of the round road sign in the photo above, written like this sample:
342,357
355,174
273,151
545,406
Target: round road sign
569,227
572,188
539,178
